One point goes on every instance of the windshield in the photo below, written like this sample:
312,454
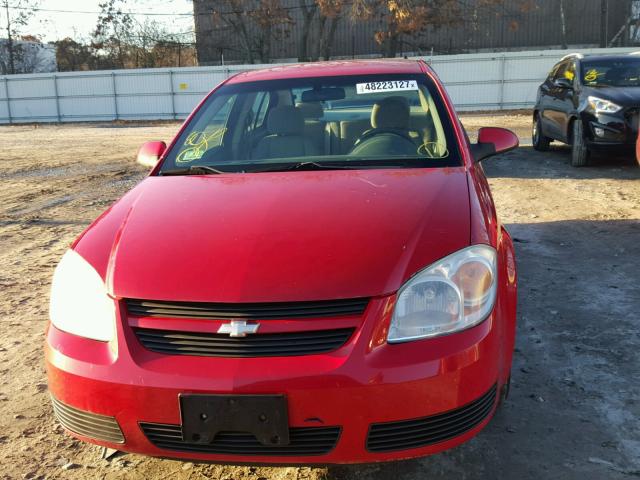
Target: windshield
611,72
371,121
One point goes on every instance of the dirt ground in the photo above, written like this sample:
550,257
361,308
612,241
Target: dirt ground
574,408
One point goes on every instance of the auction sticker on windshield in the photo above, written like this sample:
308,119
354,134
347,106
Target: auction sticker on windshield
389,86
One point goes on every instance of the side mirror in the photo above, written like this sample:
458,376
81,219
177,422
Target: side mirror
150,153
492,141
563,83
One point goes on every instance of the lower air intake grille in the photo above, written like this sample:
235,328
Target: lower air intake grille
403,435
260,345
246,311
307,441
87,424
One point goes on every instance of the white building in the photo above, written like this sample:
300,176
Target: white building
28,57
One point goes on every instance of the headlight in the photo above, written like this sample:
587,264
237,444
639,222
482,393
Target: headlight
453,294
79,301
603,106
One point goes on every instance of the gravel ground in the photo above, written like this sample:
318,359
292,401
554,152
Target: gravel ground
574,406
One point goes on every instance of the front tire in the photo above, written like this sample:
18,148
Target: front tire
540,142
579,149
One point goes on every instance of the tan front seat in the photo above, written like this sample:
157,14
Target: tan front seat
389,134
286,136
350,131
391,113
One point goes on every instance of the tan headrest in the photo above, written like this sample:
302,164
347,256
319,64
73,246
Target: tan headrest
285,120
311,110
392,112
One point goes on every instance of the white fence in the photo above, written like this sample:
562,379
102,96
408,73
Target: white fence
485,81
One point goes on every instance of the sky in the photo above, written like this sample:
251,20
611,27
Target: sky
50,26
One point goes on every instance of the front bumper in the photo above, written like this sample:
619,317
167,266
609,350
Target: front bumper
442,392
618,131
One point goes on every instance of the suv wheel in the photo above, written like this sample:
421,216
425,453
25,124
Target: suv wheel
540,142
579,150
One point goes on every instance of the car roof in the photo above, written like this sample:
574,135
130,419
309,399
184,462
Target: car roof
331,69
610,57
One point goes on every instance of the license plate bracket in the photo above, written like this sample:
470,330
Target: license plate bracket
264,416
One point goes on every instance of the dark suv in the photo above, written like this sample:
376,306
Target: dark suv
590,103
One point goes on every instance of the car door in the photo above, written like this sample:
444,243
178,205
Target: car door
565,99
255,125
554,113
547,104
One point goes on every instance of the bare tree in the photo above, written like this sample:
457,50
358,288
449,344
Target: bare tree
320,20
142,39
563,24
402,18
256,23
174,53
272,20
308,10
16,16
112,35
404,22
331,12
153,45
72,56
232,15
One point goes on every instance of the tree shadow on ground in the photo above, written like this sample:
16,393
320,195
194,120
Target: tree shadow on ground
572,412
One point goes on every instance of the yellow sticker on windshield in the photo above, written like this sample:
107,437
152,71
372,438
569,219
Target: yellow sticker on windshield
189,155
197,143
569,75
592,75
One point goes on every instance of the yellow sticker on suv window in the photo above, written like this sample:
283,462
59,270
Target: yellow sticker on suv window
592,75
388,86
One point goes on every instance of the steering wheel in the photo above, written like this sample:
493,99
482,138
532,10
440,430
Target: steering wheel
431,150
380,131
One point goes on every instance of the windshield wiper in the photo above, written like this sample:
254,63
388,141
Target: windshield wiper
193,170
311,166
302,166
319,166
287,167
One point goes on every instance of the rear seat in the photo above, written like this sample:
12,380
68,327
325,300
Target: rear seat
314,128
340,136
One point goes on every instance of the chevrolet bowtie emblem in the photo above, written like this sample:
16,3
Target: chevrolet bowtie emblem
238,328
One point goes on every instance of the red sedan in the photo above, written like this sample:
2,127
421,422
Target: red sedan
312,273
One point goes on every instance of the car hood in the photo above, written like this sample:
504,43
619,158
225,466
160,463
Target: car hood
623,96
288,236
